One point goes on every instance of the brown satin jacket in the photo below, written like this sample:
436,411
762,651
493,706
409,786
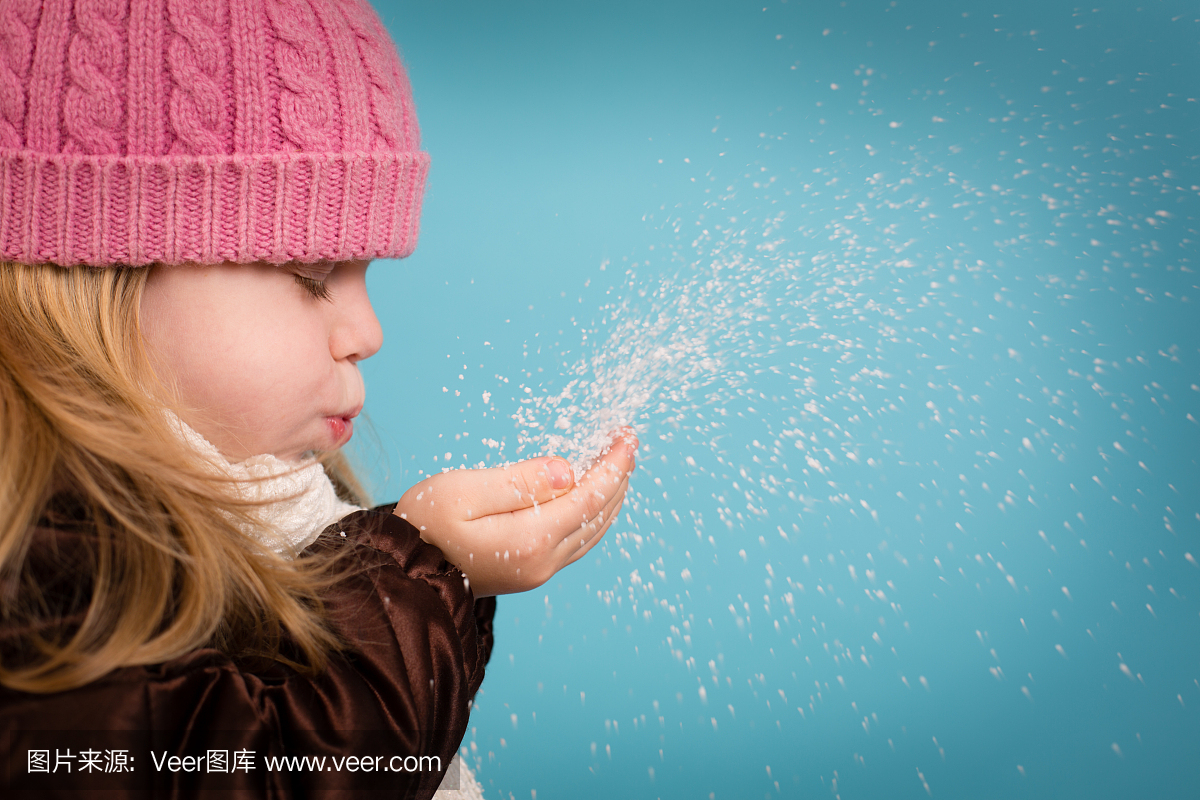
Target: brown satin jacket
383,719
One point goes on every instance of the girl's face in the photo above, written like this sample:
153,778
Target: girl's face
264,358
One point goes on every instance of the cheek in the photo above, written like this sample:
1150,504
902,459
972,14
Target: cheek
255,366
229,361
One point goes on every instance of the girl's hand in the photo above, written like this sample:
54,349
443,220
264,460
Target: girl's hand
509,529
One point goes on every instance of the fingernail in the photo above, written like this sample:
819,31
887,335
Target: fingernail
624,433
560,473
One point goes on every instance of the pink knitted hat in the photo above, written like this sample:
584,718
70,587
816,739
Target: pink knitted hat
164,131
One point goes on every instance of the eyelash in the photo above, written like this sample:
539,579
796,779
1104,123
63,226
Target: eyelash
314,287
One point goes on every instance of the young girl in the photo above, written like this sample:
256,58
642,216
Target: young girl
191,596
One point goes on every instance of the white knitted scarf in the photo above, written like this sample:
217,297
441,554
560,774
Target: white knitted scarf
298,499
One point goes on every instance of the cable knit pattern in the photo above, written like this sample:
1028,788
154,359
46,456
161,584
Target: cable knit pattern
165,131
196,55
349,78
305,104
17,20
93,110
390,117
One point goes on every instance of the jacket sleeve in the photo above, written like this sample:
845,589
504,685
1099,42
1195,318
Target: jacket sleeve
423,606
386,715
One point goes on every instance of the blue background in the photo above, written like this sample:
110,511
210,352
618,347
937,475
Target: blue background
994,214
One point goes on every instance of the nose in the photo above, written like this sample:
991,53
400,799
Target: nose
356,334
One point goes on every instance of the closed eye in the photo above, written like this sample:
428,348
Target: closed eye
316,288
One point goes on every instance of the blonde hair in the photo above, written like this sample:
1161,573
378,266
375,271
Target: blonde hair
165,567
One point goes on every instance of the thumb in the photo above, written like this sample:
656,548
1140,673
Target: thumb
542,479
518,486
